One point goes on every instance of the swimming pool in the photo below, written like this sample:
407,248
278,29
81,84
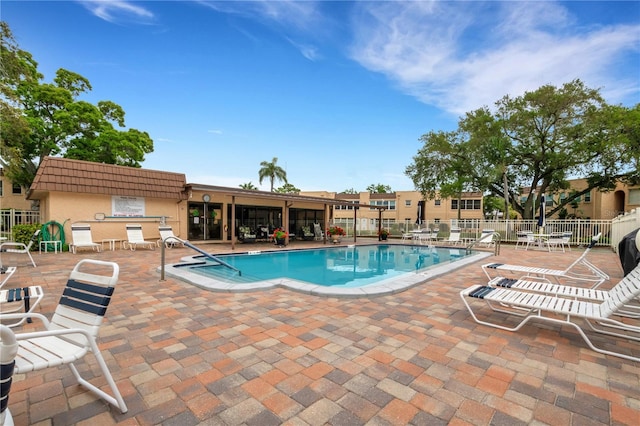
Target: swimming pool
358,270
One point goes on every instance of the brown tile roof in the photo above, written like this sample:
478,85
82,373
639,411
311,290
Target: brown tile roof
65,175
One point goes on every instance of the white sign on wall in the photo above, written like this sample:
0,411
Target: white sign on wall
127,206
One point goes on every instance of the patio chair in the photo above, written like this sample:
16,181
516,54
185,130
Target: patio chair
21,248
81,236
72,331
317,232
17,299
5,274
307,235
486,238
564,311
424,236
555,241
246,235
580,271
8,350
566,240
524,239
168,238
135,238
454,237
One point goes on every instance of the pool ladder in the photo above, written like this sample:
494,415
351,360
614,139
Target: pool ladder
191,246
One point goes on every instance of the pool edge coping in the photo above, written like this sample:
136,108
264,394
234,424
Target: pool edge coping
385,287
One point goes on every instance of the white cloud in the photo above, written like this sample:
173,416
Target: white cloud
115,10
460,56
215,131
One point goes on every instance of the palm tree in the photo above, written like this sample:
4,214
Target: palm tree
272,171
248,185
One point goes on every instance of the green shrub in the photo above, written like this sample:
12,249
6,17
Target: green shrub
23,234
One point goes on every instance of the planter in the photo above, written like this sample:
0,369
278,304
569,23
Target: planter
335,239
383,237
280,241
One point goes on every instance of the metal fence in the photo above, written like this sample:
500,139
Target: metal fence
582,230
12,217
624,224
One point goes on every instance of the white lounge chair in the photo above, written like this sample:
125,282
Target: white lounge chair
168,238
454,237
21,248
19,299
317,232
135,238
560,310
486,238
72,331
580,271
81,236
8,350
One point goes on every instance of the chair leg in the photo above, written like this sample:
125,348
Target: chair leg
115,400
31,257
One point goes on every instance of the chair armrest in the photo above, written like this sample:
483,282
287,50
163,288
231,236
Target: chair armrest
22,315
12,245
58,332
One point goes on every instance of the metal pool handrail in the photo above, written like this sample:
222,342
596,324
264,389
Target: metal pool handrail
188,244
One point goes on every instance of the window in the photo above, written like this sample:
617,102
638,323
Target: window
634,197
437,202
347,207
563,197
407,203
587,197
466,204
1,193
17,189
389,204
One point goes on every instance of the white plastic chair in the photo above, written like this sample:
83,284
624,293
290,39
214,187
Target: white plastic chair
555,241
135,238
454,237
81,236
21,248
486,238
525,239
72,331
8,350
317,232
168,238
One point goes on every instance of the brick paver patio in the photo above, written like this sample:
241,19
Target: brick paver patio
186,356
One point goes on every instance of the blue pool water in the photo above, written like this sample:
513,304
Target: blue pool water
345,267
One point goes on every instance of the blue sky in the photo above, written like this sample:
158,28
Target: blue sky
339,91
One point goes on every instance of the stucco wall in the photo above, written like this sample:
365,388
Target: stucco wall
69,208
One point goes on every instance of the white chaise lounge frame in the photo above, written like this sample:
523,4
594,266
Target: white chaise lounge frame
594,276
564,311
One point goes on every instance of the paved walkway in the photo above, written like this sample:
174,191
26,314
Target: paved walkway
186,356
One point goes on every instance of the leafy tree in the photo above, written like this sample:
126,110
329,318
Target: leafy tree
272,171
249,186
441,167
349,191
379,188
58,123
536,141
288,188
